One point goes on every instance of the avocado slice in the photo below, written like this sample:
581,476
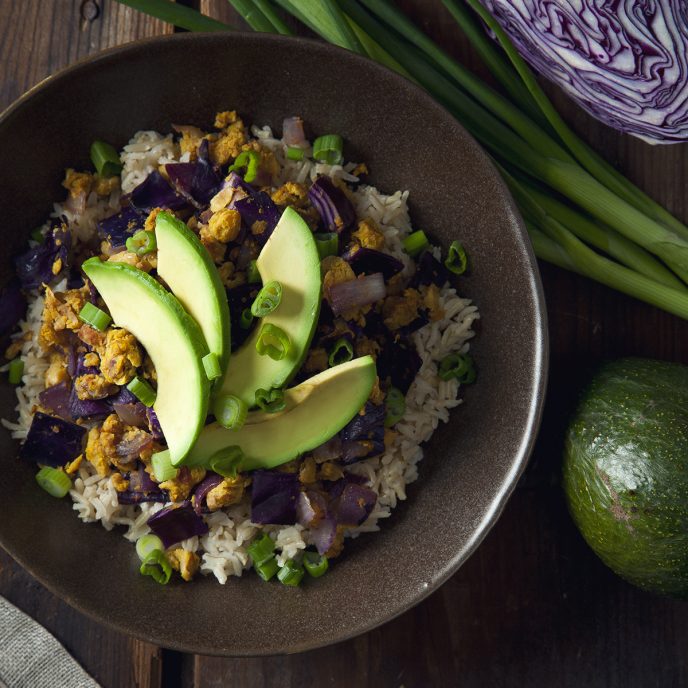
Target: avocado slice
290,256
315,411
188,270
172,339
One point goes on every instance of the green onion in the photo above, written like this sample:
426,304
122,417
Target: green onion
262,549
456,261
252,273
142,242
227,461
395,402
147,544
37,235
342,352
290,574
162,466
246,318
54,481
270,400
295,153
266,8
416,243
105,159
328,244
157,567
142,391
15,371
457,366
328,149
211,364
93,316
316,564
267,569
273,342
177,14
230,411
268,299
248,160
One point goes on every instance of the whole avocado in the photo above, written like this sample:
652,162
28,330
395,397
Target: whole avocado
626,472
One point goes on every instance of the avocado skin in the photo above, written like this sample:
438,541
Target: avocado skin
625,472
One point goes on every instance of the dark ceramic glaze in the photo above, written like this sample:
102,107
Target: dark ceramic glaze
471,464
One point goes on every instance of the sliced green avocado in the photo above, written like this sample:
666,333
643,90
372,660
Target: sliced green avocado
315,411
188,270
172,339
290,256
626,471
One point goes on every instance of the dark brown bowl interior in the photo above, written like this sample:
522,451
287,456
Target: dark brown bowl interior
471,464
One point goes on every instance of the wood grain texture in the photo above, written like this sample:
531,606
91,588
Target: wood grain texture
533,606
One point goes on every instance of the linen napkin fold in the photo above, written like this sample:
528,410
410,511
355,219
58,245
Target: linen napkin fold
30,657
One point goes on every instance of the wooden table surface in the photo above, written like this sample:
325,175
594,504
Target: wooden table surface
533,606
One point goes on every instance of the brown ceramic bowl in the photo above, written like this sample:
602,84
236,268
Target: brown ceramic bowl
471,464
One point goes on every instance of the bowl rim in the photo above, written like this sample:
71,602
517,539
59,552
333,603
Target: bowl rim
541,343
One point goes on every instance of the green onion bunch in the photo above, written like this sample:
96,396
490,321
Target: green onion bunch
581,213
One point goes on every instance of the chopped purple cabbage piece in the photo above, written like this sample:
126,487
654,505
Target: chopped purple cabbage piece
354,505
117,228
141,489
258,207
173,524
364,436
273,497
196,181
52,441
155,192
37,265
56,400
154,425
399,363
368,261
429,270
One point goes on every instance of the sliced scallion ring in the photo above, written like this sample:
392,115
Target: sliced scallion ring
227,461
342,352
211,364
230,411
142,242
316,564
157,567
457,260
147,544
248,161
105,159
270,400
416,243
54,481
273,342
261,549
295,153
395,403
328,149
142,391
15,371
162,466
327,244
269,297
93,316
457,366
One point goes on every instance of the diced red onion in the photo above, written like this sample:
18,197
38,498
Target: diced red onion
335,209
132,414
292,132
355,293
324,534
201,490
129,449
311,508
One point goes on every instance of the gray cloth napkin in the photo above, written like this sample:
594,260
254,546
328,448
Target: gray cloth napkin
31,658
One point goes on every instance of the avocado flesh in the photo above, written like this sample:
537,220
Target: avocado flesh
315,411
290,256
187,268
171,338
626,472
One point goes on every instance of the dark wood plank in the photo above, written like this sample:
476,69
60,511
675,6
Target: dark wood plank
37,39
